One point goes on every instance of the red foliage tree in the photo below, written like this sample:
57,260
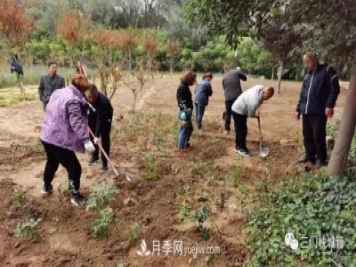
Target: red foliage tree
15,26
74,26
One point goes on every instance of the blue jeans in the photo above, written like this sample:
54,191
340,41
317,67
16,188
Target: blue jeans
184,133
199,109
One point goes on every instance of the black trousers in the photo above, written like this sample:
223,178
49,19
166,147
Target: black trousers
105,141
67,158
228,113
240,122
314,133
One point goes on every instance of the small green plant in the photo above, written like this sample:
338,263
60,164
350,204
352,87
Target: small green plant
100,226
234,174
28,230
331,129
185,212
152,168
201,216
158,137
14,146
101,195
198,168
19,197
133,232
186,189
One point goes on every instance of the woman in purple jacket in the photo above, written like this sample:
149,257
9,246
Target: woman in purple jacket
64,132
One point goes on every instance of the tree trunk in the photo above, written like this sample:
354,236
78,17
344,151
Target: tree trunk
171,67
346,132
130,61
272,76
280,73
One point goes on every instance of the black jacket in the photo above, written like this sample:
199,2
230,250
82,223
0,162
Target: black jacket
184,97
320,90
48,84
102,116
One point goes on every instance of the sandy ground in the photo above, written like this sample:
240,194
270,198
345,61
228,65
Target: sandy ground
65,229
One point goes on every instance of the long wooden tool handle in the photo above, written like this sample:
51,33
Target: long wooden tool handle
104,153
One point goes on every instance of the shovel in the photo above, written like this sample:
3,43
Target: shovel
263,151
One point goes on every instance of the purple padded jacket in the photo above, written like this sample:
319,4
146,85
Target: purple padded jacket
65,121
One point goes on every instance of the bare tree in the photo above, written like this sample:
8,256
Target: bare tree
173,49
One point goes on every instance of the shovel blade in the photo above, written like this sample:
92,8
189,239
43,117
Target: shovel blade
263,152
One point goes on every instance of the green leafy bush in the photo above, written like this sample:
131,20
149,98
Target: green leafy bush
101,195
312,207
100,227
28,230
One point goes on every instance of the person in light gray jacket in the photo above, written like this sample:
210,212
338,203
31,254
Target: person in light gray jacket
49,83
245,106
232,90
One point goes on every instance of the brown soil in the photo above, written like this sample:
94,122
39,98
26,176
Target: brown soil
210,174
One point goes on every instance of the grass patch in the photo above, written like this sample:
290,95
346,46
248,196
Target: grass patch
318,211
31,75
12,97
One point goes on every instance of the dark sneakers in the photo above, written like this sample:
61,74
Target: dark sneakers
320,164
188,146
305,160
77,199
243,152
93,160
47,189
104,168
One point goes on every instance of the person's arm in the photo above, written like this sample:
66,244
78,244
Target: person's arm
242,76
209,89
334,88
297,109
41,89
101,114
253,104
252,108
224,83
76,121
62,83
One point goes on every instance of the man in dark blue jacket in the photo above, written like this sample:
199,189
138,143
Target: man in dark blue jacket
318,96
202,93
100,118
18,70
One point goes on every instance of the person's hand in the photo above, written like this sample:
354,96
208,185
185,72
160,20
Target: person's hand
89,146
184,124
96,140
329,112
297,115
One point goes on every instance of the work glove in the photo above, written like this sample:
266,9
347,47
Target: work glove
89,146
96,140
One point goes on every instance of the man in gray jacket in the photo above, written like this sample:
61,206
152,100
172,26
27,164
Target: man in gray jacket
49,83
232,89
245,106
